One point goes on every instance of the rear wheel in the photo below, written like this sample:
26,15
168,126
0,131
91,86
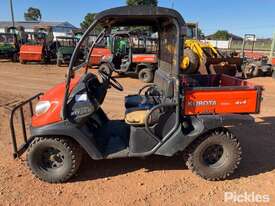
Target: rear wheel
54,160
215,156
146,75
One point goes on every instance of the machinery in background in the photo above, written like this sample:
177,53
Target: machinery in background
9,46
201,57
272,57
39,46
130,53
254,65
64,49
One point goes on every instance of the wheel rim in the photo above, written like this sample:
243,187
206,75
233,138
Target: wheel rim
213,156
51,159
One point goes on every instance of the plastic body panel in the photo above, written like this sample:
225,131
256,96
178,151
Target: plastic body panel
31,52
81,134
220,94
183,137
55,96
144,58
98,54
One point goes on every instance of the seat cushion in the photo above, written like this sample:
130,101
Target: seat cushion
136,117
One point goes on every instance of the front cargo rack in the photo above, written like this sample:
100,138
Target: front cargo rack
18,151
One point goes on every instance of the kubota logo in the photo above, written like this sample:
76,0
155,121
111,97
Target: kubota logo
202,103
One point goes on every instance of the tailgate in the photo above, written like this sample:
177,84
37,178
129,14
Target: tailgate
220,94
222,101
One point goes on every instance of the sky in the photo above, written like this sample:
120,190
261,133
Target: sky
236,16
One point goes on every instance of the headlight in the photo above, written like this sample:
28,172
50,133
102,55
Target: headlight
42,107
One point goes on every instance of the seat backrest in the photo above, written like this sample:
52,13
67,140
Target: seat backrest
165,82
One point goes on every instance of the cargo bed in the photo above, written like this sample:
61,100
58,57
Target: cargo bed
219,94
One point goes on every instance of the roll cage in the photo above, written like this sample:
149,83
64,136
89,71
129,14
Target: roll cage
163,20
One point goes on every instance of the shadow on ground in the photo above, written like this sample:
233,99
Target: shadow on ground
257,140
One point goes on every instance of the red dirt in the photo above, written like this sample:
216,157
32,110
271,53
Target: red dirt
149,181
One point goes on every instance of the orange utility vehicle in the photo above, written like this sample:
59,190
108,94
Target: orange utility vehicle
129,53
39,46
177,115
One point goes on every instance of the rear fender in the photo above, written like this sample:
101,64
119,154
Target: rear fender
182,139
80,134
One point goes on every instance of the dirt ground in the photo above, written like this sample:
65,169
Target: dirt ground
149,181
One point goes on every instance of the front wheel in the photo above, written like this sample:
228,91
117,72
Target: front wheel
54,160
214,156
273,74
146,75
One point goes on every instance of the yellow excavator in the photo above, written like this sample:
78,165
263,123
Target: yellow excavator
201,57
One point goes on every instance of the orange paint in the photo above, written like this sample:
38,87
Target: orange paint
55,96
31,52
220,102
144,58
211,94
98,54
273,61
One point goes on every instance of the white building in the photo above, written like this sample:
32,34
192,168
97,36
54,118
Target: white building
59,28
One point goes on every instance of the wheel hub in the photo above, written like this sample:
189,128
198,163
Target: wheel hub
52,159
212,154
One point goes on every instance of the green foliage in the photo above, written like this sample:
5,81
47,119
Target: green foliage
33,14
200,34
88,20
221,35
142,2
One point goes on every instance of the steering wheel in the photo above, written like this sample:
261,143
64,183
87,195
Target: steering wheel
105,71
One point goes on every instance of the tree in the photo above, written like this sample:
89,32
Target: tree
142,2
200,34
221,35
88,20
33,14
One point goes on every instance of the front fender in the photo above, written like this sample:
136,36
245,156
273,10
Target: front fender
80,134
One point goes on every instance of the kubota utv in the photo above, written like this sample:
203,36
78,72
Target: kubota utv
177,115
132,53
